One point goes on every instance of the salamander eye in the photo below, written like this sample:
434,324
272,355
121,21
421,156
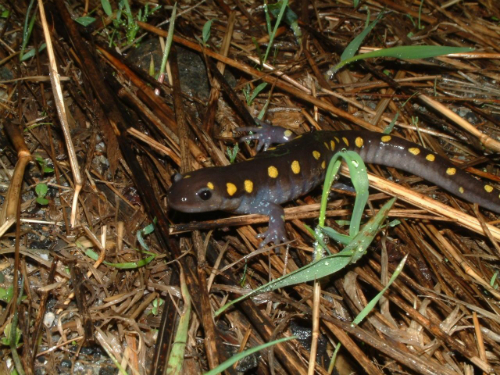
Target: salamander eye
205,194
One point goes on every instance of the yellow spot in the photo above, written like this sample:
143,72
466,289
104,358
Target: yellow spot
231,189
386,138
272,171
414,150
323,165
332,145
316,155
186,176
431,157
359,142
271,148
461,190
248,186
451,171
287,133
337,139
210,186
295,167
488,188
345,141
326,145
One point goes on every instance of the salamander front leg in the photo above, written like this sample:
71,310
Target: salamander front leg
266,134
276,232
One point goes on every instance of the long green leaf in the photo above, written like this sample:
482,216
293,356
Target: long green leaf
176,359
27,28
327,265
170,37
238,357
404,52
369,306
359,179
123,266
272,33
352,48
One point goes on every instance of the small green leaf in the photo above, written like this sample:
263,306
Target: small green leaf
41,190
494,279
156,306
256,92
43,164
28,55
8,332
42,201
206,31
149,228
6,294
144,232
106,6
85,20
232,153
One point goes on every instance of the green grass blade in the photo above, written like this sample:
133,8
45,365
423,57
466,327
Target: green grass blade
359,179
404,52
291,19
331,172
353,47
27,28
28,55
364,238
176,360
170,37
369,307
238,357
122,266
283,4
334,358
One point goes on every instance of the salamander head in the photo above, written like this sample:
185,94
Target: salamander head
198,191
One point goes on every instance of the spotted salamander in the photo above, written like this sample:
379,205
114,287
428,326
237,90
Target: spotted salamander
285,172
